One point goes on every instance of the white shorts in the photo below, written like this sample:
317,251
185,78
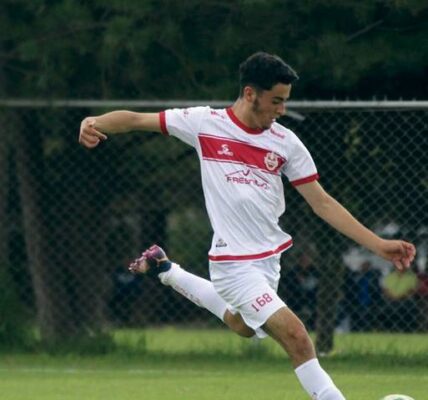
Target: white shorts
249,288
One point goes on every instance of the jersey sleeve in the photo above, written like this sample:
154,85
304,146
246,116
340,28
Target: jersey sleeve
183,123
300,167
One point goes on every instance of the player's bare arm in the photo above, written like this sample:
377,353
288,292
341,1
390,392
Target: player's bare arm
93,130
399,252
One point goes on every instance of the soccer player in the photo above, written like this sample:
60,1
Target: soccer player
243,151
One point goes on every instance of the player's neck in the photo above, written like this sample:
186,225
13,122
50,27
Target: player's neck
243,112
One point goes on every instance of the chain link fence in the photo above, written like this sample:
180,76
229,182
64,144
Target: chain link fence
72,219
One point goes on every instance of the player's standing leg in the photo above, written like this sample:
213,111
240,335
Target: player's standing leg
251,289
287,329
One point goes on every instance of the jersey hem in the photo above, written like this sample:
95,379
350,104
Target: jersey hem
252,257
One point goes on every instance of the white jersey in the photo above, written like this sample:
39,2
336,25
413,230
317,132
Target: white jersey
241,178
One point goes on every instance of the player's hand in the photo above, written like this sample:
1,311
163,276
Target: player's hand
399,252
88,135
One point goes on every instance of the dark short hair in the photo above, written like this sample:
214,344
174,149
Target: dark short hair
263,71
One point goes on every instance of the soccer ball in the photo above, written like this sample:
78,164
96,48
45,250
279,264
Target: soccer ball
397,397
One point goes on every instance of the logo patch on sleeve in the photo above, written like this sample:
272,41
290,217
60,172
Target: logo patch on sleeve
221,243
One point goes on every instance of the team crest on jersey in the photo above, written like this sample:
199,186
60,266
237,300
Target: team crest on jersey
271,161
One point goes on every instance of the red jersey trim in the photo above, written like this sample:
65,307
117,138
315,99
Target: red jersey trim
162,121
258,256
244,127
308,179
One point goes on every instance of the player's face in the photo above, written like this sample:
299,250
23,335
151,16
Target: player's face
268,105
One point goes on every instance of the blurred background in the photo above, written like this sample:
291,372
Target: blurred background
71,219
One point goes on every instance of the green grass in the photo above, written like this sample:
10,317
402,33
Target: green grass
175,364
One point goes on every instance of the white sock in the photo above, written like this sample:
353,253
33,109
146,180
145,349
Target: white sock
317,382
198,290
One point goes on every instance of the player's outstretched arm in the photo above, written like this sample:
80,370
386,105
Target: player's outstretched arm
399,252
93,130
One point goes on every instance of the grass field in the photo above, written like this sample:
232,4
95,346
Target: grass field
175,364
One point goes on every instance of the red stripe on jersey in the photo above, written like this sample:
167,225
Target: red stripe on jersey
162,121
308,179
247,257
220,149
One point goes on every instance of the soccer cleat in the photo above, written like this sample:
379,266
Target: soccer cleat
152,262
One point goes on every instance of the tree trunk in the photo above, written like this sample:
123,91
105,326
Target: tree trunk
51,311
329,288
80,212
4,188
64,235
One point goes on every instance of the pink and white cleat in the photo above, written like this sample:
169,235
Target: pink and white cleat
152,262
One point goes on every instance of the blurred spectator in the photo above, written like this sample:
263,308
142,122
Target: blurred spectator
400,310
422,301
422,267
126,291
301,285
363,297
422,248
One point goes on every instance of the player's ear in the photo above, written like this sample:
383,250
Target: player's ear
249,94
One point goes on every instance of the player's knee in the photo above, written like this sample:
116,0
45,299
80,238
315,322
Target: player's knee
239,327
237,324
295,338
301,340
245,331
299,333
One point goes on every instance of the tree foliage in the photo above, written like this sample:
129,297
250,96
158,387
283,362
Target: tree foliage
191,49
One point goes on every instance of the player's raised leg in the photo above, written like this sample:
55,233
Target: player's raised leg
287,329
154,262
